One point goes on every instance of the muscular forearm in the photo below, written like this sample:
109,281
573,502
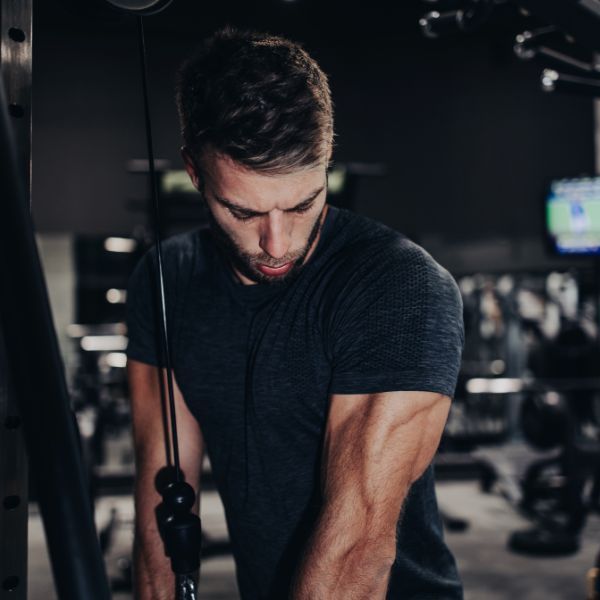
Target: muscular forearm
345,562
375,448
153,578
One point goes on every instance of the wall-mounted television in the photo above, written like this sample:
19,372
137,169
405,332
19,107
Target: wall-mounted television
573,215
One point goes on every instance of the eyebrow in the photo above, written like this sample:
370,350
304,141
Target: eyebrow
248,212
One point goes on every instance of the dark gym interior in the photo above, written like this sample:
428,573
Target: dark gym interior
450,135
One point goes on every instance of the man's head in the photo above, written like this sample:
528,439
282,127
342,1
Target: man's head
257,124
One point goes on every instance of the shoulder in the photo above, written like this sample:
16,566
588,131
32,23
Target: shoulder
411,267
180,251
183,247
182,254
375,256
362,240
378,275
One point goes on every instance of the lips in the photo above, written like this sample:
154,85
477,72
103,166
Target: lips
275,271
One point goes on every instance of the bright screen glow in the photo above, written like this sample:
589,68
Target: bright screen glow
573,215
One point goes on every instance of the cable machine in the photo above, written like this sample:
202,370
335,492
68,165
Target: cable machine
33,389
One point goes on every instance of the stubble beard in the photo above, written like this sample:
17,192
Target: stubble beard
246,263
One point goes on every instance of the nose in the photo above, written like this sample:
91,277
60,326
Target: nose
275,238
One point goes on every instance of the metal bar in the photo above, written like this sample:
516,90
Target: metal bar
579,19
13,490
15,59
39,382
15,66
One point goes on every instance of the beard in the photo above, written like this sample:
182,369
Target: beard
247,264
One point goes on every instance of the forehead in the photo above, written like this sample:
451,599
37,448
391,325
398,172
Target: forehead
257,191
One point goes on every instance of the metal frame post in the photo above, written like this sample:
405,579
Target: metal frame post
15,66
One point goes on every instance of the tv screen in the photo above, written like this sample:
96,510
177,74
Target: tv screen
573,215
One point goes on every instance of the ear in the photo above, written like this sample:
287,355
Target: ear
191,167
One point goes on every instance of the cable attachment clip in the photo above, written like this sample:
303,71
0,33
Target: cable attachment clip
181,528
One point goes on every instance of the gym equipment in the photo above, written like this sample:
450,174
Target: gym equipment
49,426
482,411
566,42
15,66
102,268
181,528
559,414
529,369
544,419
467,16
50,430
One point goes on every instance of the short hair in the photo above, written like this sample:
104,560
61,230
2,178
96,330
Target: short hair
261,100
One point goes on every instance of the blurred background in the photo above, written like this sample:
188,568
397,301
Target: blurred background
444,133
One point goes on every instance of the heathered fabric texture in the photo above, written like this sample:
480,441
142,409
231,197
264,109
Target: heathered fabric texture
370,312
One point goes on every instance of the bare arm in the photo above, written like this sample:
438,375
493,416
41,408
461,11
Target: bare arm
375,447
152,571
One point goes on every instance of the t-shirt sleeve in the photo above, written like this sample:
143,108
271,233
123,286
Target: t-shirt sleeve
399,327
141,312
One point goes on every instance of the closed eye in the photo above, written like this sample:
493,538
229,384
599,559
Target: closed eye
249,216
241,216
302,208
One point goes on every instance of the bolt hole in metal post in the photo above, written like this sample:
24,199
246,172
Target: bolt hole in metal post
16,35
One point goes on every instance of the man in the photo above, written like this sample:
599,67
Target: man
314,351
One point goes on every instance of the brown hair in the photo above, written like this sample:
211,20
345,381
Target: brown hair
258,99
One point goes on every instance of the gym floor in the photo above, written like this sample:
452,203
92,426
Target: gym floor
489,570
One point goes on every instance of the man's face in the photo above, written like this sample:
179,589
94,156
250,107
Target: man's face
267,225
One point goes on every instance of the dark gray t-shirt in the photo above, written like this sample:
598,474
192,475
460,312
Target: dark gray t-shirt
370,312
